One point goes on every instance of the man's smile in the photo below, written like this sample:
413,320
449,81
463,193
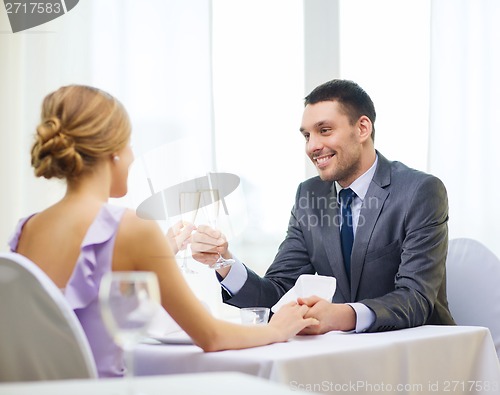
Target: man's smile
323,160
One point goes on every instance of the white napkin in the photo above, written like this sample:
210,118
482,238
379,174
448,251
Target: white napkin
308,285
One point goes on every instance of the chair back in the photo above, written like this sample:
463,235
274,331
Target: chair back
473,286
40,336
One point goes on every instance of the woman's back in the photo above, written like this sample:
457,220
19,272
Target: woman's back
52,238
94,257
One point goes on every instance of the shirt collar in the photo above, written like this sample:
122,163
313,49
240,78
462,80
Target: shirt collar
360,185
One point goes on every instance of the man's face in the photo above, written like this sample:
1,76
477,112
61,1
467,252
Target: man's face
332,143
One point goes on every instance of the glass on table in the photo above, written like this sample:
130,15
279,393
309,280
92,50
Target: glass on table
254,315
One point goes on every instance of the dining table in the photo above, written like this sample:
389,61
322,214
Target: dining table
223,383
421,360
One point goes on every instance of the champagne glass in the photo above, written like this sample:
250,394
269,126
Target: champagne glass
210,201
189,203
128,302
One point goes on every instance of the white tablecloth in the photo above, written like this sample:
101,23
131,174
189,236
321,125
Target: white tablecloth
188,384
429,359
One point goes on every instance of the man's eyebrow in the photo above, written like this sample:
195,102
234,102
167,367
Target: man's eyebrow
317,125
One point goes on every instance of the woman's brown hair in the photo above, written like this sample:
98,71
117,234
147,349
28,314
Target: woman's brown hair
79,126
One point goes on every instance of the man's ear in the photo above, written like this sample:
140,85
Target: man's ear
365,128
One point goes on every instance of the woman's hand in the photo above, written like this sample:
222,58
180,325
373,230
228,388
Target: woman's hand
179,235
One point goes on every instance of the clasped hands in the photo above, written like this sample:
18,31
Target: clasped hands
206,245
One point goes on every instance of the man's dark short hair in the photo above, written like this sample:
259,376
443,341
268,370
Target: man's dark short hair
353,99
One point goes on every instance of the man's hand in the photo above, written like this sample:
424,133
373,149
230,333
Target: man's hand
331,316
206,245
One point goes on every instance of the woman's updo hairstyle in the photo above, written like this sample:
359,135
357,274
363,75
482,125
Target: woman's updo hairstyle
80,125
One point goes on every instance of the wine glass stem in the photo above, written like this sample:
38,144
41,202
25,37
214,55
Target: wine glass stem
184,260
128,354
184,265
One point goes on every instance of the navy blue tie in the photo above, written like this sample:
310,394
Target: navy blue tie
346,230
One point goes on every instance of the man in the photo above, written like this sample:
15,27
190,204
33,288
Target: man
393,219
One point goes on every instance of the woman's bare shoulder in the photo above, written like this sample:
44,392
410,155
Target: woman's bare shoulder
137,239
132,226
138,233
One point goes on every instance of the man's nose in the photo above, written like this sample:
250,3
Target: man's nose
314,144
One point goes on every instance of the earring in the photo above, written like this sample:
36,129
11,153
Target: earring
116,158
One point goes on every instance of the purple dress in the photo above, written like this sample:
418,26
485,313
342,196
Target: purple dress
95,259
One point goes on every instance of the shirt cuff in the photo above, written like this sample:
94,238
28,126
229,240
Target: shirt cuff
364,316
235,279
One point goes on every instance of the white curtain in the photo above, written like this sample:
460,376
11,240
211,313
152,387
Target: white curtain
258,91
384,46
33,63
464,127
156,57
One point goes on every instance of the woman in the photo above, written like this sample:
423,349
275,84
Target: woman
84,138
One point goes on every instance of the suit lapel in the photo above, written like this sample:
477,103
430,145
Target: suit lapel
368,216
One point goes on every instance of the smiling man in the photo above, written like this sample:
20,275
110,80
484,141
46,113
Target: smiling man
378,227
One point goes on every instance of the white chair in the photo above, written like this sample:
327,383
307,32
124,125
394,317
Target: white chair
40,335
473,286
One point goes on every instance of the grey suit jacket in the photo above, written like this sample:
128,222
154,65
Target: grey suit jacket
398,257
